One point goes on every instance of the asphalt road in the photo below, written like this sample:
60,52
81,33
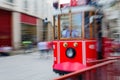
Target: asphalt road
26,67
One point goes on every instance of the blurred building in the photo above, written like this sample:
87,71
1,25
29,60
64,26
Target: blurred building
23,20
111,15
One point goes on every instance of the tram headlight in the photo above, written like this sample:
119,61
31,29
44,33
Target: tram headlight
65,44
75,44
70,53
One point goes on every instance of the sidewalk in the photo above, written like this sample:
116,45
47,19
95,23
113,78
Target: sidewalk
21,51
26,67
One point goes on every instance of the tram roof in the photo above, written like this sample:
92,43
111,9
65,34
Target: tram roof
74,9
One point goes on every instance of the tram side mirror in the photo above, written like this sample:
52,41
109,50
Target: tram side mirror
91,19
96,17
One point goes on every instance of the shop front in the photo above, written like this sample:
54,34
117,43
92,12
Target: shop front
28,28
5,28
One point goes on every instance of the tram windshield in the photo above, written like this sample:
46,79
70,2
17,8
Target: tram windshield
70,25
74,26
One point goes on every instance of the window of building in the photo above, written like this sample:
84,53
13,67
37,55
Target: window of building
25,4
35,6
28,32
11,1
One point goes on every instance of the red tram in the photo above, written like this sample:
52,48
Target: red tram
77,39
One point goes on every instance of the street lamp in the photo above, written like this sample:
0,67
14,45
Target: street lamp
45,22
45,26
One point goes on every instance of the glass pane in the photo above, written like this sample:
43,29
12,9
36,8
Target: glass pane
94,30
71,28
28,32
10,1
65,26
55,27
87,29
76,25
25,4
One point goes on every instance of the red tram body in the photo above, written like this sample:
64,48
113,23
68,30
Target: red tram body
81,59
75,53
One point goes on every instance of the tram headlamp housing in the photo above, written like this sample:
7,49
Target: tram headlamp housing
65,44
70,52
75,44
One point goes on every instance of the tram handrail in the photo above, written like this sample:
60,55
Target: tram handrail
105,62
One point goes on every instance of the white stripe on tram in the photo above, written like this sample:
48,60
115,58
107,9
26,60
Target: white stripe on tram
84,52
58,52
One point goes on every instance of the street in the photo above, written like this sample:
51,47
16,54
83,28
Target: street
26,67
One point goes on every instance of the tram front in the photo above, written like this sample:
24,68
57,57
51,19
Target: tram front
75,40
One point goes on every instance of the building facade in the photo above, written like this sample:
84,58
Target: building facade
111,16
23,20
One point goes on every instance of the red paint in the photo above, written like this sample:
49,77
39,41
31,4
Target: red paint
28,19
69,66
5,28
77,58
50,45
77,2
73,3
62,62
107,47
91,52
55,55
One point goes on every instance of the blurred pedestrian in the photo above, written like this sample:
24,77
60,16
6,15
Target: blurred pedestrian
43,48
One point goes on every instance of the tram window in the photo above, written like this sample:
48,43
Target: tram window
94,30
87,29
76,25
71,28
64,26
55,27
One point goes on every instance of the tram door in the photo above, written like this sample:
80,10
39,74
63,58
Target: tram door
90,36
93,30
